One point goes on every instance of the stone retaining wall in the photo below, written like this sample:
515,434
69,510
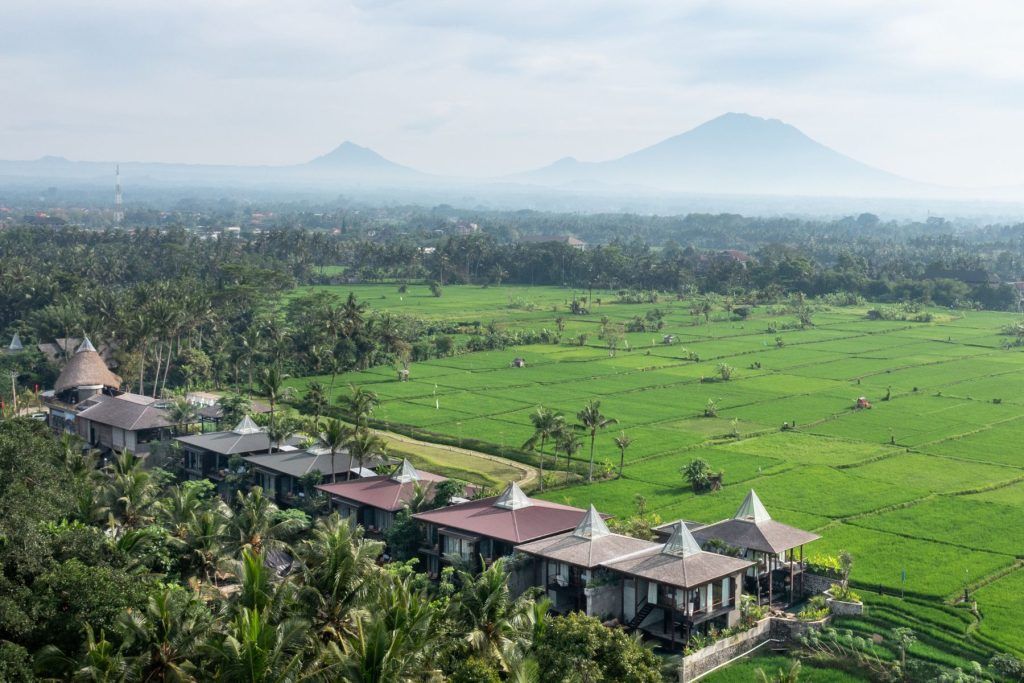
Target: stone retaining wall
844,609
721,651
815,583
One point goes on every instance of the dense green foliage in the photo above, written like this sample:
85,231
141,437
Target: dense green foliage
121,574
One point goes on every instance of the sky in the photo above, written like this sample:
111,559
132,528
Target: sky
929,90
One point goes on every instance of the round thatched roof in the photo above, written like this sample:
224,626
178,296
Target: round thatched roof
86,368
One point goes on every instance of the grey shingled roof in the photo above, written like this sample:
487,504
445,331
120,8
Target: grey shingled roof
766,537
298,463
130,412
752,527
228,443
586,552
690,571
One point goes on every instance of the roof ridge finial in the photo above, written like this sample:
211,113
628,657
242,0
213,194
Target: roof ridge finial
513,498
86,345
752,509
591,526
406,473
681,543
246,426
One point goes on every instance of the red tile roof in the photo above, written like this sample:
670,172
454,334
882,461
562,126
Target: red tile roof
480,517
381,492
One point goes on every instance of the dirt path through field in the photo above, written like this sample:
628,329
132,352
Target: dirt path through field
528,474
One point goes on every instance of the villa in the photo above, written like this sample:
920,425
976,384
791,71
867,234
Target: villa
491,528
373,501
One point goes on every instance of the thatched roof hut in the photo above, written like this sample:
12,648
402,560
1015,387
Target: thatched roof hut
86,369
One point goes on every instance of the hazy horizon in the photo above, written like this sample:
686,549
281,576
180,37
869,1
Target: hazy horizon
921,90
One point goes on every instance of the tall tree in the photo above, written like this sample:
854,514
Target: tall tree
334,437
546,425
591,420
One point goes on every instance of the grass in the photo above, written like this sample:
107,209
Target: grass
746,670
922,481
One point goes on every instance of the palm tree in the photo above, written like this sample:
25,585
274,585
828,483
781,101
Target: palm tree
623,441
360,404
254,525
179,507
592,420
251,344
334,437
280,431
202,545
317,400
252,649
166,636
493,622
569,443
182,414
130,491
363,444
271,385
336,564
546,424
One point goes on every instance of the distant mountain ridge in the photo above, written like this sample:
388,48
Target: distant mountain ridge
732,154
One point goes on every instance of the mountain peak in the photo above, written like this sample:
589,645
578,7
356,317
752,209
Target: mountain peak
735,153
348,154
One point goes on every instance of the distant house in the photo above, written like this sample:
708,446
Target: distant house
570,240
737,256
373,501
126,422
491,527
281,472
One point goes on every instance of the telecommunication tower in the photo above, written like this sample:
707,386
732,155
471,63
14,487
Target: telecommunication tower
118,199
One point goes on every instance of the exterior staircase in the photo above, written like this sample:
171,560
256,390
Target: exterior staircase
641,615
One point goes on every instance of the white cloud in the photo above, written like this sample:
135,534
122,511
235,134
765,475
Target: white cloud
926,89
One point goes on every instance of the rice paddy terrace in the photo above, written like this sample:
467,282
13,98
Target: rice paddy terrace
925,488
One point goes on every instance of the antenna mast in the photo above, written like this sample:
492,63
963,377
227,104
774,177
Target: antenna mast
118,200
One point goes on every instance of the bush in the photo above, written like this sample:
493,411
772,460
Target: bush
475,670
843,593
578,647
815,609
824,565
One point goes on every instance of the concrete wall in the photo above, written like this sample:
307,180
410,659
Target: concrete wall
605,601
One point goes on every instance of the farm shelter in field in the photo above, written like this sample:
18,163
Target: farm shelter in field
776,549
491,527
671,590
568,566
373,501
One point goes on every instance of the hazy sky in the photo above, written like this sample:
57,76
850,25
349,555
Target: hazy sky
931,90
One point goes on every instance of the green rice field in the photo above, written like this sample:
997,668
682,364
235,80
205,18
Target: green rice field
928,483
